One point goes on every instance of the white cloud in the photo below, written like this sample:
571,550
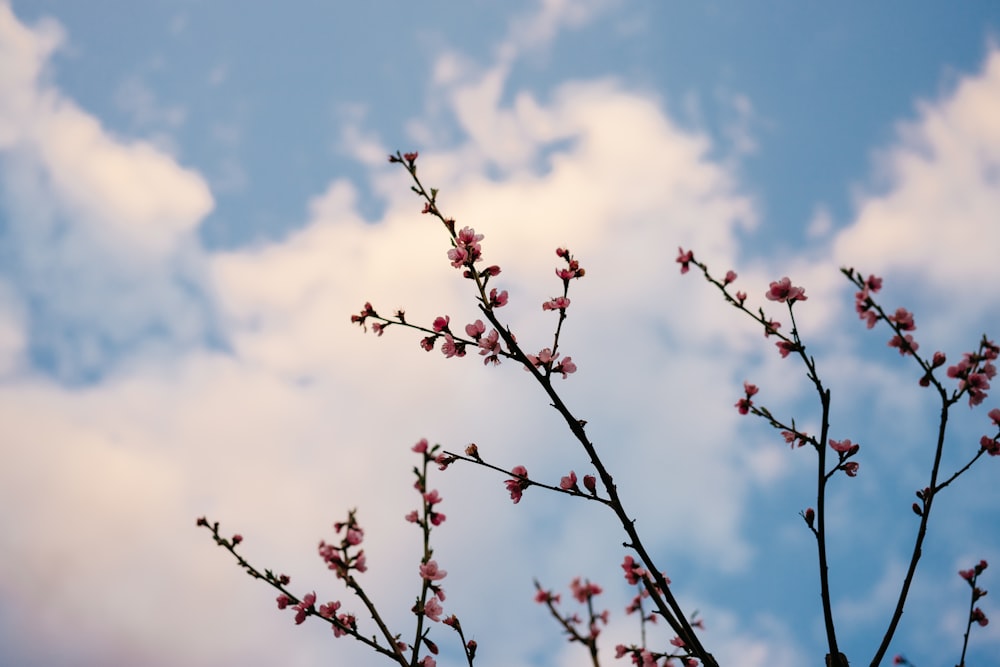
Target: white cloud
934,223
103,227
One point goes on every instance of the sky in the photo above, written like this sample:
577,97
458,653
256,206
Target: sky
195,197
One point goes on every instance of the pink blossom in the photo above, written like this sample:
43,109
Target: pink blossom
584,591
413,517
979,617
842,446
678,642
569,481
354,536
785,347
905,344
565,366
433,609
543,597
421,446
851,468
329,610
994,414
903,319
590,483
517,486
428,342
475,330
977,384
498,300
410,157
684,258
730,277
558,303
741,297
431,572
239,538
378,328
783,290
283,601
633,571
441,323
450,348
432,498
303,607
428,661
771,327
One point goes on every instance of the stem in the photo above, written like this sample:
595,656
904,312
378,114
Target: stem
821,480
921,533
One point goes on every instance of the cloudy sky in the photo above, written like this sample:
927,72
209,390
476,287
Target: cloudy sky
194,197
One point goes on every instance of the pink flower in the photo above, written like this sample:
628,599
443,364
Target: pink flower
543,597
684,258
421,446
744,404
410,157
517,486
450,348
432,498
441,323
903,319
303,607
433,609
329,610
475,330
905,344
842,446
994,414
784,347
431,572
237,539
979,617
498,300
283,601
741,297
678,642
558,303
977,384
590,483
633,571
569,481
584,591
413,517
851,468
730,277
783,290
565,366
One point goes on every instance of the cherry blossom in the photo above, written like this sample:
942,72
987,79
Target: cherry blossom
684,258
783,291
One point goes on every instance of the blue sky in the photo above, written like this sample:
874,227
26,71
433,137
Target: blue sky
195,196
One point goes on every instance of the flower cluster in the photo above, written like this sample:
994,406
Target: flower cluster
549,362
972,576
846,449
339,557
745,403
863,303
975,371
572,270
